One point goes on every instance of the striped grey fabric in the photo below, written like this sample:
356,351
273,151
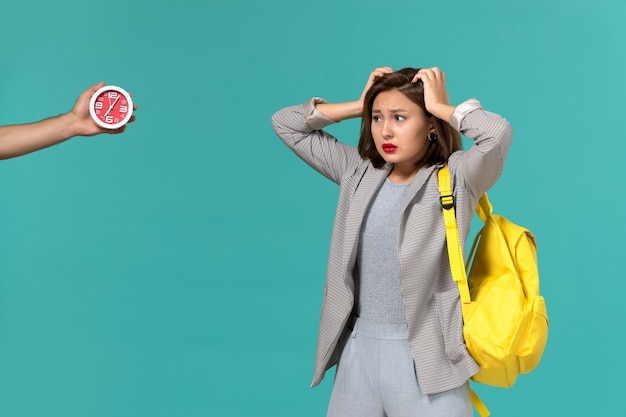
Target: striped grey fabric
431,297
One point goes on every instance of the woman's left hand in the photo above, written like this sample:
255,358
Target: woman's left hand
436,96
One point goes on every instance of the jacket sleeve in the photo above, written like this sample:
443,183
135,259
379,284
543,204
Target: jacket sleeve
300,128
483,163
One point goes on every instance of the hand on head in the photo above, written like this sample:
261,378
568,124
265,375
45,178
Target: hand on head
374,75
435,92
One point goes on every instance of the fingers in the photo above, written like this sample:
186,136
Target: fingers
134,107
91,90
435,93
379,72
118,130
430,74
83,99
374,75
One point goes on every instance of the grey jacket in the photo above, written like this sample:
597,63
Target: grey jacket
430,295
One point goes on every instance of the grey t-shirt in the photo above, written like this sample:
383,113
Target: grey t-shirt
380,294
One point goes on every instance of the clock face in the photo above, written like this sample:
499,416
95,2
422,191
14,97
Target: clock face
111,107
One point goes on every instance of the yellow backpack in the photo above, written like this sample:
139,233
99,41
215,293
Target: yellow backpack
505,320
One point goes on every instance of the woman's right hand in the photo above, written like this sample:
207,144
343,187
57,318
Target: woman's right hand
374,75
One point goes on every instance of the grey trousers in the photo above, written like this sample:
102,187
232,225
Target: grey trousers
376,378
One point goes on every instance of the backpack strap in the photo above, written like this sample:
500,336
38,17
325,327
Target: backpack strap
452,235
478,404
484,208
455,254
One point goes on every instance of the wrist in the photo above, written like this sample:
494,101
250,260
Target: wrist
338,112
68,125
463,109
442,111
356,108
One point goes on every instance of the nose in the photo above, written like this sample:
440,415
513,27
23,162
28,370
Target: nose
386,130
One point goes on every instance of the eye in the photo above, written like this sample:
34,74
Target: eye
376,118
400,118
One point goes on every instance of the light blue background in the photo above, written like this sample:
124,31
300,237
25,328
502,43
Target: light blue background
177,270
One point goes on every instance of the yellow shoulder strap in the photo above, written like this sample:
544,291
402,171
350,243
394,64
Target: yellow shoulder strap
478,404
452,235
456,255
484,208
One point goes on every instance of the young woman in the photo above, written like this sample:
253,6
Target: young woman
391,315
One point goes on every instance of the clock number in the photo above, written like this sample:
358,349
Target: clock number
109,119
98,105
113,95
123,109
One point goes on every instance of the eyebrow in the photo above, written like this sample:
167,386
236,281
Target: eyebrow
391,110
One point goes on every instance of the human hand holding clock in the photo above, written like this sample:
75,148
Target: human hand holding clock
21,139
84,122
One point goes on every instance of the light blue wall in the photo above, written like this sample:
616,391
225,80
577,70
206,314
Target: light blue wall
177,270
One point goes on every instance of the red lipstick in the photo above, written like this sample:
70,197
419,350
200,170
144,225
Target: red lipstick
389,147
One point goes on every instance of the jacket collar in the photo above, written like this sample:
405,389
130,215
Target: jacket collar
371,181
365,191
417,184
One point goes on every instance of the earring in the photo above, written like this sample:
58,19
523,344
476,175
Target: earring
432,137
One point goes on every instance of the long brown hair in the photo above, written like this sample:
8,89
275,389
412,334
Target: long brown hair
448,140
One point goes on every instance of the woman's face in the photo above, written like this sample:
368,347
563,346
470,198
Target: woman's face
400,129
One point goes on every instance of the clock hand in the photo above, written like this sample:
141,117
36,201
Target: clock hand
112,105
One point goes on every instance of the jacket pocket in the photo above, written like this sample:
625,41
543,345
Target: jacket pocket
448,310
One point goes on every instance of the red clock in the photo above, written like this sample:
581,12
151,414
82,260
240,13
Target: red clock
111,107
